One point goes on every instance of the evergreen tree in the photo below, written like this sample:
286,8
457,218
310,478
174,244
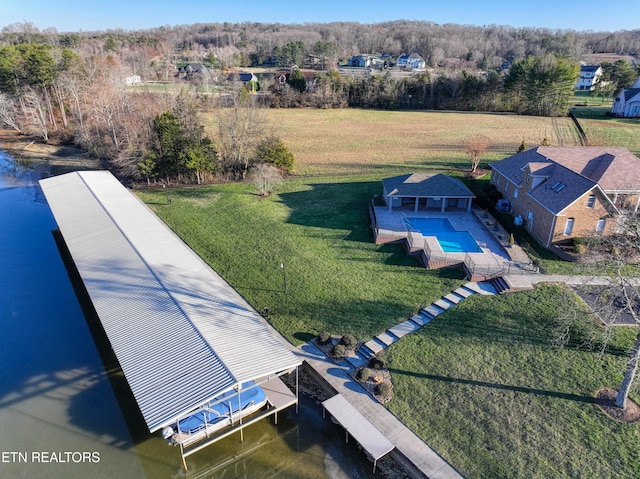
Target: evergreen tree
542,85
272,150
297,81
522,147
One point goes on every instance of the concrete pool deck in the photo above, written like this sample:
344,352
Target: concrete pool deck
390,224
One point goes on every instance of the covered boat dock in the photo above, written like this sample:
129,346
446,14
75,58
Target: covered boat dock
181,334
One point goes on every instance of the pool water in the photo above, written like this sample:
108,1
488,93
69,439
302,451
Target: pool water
451,241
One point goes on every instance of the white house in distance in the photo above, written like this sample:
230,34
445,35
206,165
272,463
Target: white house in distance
627,102
411,62
589,77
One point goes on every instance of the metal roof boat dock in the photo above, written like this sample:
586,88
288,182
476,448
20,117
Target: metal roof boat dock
181,334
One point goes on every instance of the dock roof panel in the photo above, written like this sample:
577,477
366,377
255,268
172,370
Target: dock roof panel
182,335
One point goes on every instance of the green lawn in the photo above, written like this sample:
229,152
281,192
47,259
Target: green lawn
481,384
587,98
337,279
484,387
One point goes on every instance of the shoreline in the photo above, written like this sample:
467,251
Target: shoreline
24,148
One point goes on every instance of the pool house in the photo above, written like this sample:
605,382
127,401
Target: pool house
423,191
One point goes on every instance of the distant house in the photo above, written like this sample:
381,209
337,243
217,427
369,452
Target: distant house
402,60
415,61
133,80
242,77
411,62
564,192
589,76
194,71
360,61
281,78
627,102
422,191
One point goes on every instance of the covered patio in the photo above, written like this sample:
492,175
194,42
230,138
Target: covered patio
426,192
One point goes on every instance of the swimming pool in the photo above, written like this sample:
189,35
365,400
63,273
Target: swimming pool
451,241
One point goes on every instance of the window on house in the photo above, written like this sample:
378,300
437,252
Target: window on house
506,186
515,193
568,227
600,226
591,201
528,179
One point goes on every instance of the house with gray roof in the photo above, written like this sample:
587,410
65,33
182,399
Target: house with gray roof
424,191
627,102
194,72
566,192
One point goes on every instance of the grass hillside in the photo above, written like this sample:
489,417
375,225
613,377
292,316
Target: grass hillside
484,386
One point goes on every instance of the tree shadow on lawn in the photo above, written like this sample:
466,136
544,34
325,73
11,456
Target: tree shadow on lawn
341,206
523,326
360,317
507,387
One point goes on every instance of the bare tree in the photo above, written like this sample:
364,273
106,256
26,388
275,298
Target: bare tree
266,178
241,125
36,112
619,256
9,113
475,147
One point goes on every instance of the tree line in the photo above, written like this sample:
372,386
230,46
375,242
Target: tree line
451,46
71,87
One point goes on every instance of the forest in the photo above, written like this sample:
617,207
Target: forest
99,90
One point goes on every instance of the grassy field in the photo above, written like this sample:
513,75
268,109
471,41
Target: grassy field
482,384
604,130
393,142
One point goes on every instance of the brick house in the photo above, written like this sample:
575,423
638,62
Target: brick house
566,192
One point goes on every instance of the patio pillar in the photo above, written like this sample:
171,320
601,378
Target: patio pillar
417,203
443,203
469,201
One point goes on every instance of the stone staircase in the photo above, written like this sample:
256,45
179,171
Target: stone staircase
369,349
509,284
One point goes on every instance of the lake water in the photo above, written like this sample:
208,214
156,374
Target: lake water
63,416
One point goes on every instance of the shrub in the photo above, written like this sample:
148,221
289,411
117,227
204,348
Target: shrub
324,337
338,351
376,363
348,341
272,150
382,389
364,374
